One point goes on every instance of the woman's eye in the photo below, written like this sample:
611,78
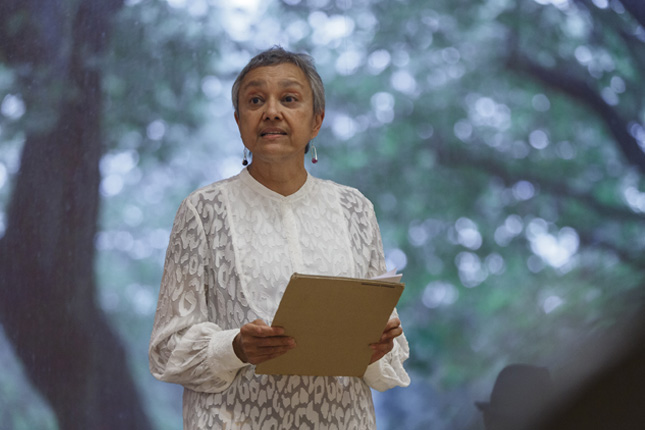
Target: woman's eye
289,99
255,100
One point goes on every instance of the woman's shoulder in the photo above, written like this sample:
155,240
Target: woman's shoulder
348,194
211,191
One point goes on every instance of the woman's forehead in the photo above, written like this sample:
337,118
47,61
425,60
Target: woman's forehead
282,75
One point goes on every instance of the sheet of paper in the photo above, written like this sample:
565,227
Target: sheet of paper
389,276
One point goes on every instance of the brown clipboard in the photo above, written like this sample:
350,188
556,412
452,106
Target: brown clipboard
333,320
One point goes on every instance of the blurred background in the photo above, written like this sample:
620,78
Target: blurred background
501,142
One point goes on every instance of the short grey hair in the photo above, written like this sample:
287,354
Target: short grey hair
278,55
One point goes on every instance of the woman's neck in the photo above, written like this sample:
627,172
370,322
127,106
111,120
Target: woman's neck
280,179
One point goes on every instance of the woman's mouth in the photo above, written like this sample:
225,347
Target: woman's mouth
273,133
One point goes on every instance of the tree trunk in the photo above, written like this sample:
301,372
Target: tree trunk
47,288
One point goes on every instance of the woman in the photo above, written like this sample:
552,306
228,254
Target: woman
233,248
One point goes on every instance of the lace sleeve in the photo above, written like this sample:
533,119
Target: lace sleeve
388,372
185,347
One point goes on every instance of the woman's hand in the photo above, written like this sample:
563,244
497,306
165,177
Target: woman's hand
257,342
386,343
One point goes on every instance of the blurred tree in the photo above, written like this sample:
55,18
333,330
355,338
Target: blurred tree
515,205
610,33
47,289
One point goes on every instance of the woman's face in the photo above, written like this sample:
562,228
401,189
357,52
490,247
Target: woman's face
275,113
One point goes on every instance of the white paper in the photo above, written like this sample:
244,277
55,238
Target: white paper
389,276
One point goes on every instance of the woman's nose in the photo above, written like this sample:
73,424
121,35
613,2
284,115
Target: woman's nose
272,110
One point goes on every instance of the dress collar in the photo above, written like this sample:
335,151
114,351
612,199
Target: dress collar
252,183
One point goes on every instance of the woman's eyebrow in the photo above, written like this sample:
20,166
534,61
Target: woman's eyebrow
285,83
290,83
255,83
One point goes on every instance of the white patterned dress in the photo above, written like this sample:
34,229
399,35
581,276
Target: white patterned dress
233,247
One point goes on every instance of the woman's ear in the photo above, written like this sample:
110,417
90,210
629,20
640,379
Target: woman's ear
318,120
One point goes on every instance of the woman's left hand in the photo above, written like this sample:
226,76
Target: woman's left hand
386,343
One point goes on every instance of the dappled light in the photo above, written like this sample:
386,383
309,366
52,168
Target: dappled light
12,107
439,293
556,249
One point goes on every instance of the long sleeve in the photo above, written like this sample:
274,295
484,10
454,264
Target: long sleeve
185,347
388,372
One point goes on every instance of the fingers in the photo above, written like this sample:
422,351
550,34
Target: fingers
391,334
392,330
259,328
392,323
257,354
383,346
386,342
380,349
258,342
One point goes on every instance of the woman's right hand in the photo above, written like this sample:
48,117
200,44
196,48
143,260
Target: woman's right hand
257,342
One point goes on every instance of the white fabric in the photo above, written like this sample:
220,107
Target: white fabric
232,250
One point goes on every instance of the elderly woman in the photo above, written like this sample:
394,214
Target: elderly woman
233,247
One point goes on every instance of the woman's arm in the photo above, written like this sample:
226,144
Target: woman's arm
185,347
387,370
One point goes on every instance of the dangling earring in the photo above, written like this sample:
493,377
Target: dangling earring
314,156
244,159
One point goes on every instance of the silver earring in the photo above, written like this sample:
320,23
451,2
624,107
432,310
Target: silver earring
244,159
314,156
